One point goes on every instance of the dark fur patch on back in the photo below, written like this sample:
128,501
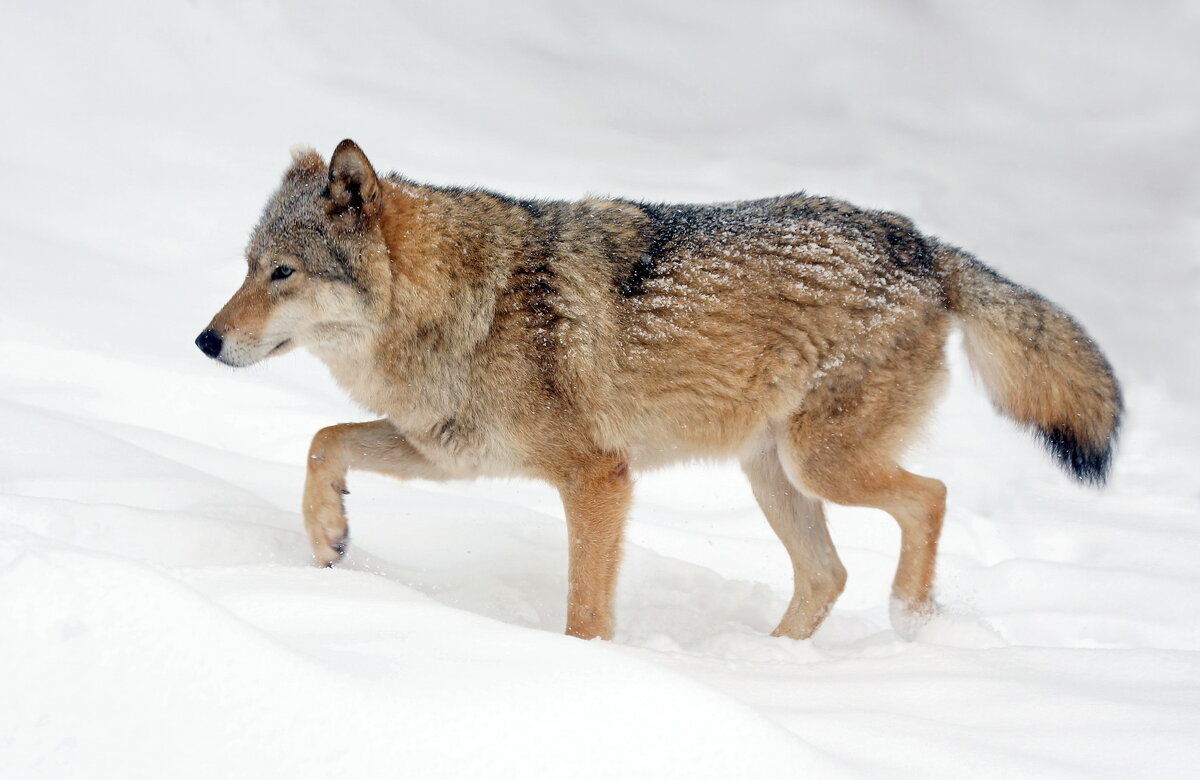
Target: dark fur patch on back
534,208
641,271
532,292
656,233
907,248
668,228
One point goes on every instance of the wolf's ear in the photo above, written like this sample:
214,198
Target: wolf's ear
353,191
306,162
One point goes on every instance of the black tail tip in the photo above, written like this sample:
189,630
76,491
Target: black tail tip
1087,462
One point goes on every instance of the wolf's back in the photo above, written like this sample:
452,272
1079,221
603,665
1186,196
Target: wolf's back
1039,366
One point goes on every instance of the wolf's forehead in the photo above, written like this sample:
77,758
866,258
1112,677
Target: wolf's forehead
291,219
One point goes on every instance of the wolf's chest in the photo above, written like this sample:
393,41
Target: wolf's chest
366,384
431,411
462,449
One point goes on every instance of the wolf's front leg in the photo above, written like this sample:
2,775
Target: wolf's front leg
373,446
596,497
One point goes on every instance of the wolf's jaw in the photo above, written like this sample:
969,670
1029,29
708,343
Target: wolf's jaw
237,355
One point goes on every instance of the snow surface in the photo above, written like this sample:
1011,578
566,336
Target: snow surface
158,615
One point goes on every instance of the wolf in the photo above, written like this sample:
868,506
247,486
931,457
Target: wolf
580,342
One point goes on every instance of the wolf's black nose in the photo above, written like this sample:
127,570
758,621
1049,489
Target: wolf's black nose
209,343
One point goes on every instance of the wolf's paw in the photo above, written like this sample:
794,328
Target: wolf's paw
328,544
325,522
327,555
908,618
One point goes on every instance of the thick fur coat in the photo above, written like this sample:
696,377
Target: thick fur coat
577,342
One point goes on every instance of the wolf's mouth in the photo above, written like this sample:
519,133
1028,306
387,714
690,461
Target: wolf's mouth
280,346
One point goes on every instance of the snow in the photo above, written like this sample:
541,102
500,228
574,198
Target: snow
159,615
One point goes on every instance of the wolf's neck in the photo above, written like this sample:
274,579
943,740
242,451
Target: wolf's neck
444,285
348,356
416,356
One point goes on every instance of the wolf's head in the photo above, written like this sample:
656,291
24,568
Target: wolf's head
306,284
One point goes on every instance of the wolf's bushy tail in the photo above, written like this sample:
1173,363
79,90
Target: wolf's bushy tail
1039,366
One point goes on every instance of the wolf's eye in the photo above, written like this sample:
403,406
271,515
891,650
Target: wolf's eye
280,272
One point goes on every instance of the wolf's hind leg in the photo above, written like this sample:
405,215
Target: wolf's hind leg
799,522
853,477
372,446
843,446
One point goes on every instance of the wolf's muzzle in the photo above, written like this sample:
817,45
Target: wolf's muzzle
210,343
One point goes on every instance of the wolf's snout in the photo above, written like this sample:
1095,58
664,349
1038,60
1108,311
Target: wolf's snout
209,343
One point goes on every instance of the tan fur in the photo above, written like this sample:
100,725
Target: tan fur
577,342
1036,362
